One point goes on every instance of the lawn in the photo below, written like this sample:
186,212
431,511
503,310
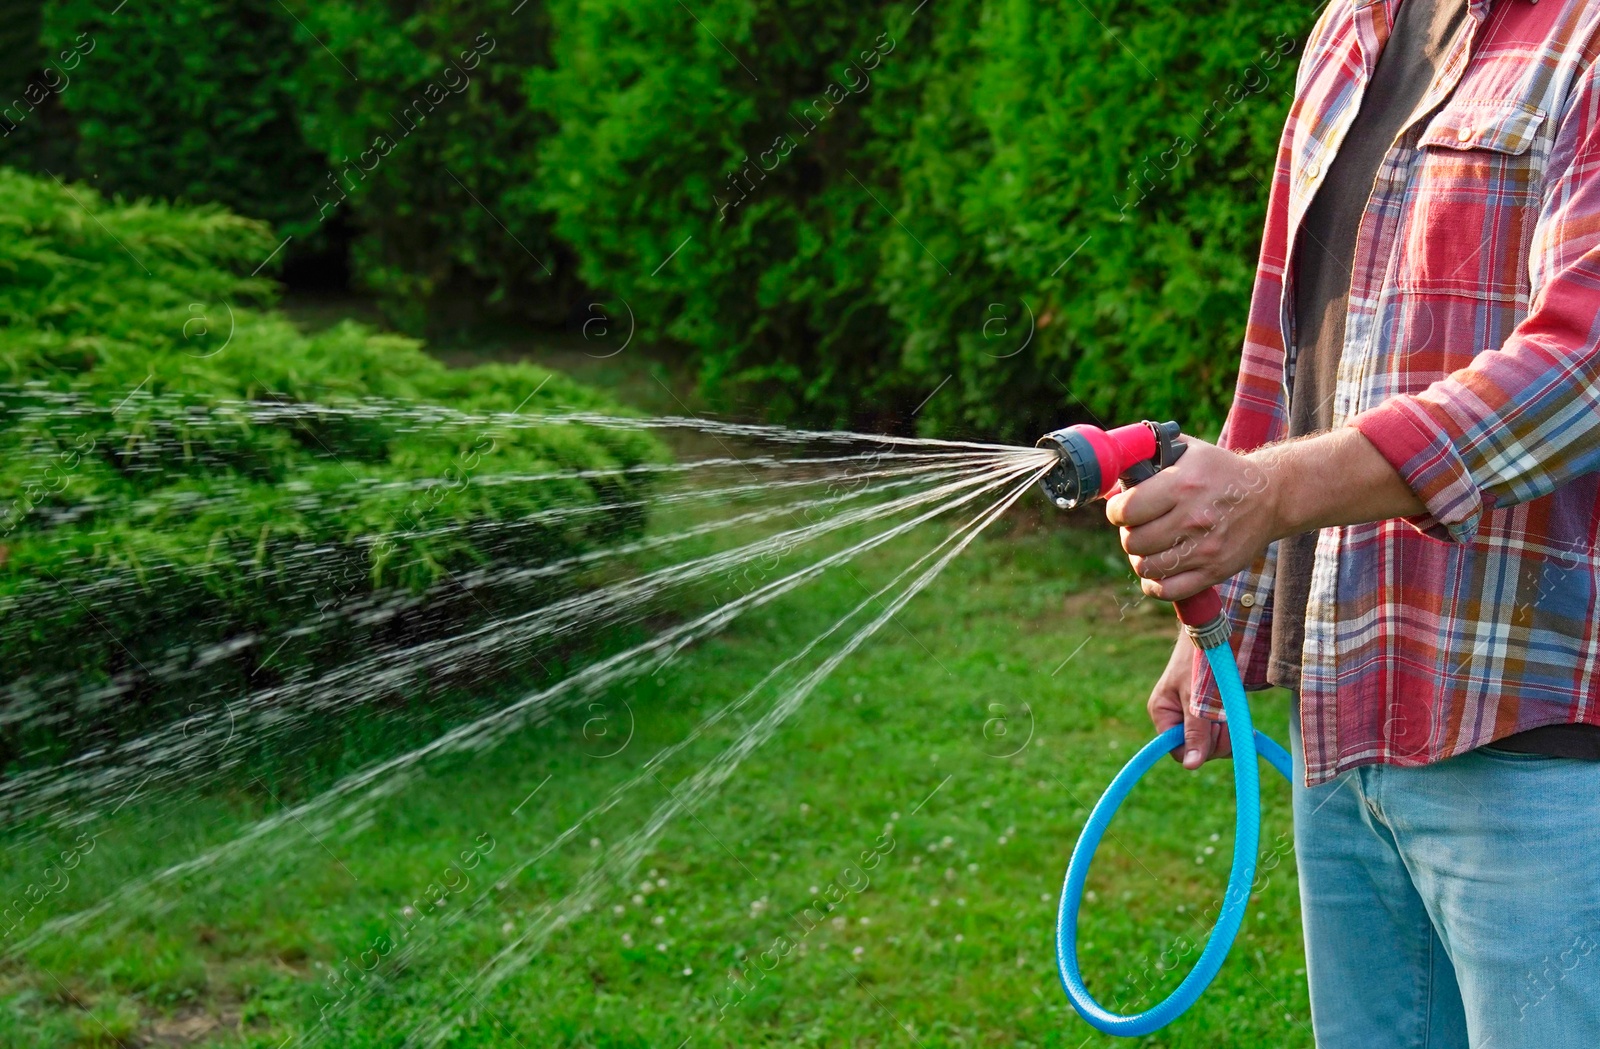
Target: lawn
931,787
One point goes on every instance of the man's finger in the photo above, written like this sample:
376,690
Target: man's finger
1143,503
1156,537
1168,562
1221,742
1168,716
1175,587
1198,742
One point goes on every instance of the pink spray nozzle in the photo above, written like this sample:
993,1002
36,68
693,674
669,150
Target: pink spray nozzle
1093,460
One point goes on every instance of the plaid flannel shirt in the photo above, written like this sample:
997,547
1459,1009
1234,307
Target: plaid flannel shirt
1470,362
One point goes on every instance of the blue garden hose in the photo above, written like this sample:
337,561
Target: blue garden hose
1247,743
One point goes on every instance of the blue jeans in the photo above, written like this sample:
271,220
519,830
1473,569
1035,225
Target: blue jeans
1454,905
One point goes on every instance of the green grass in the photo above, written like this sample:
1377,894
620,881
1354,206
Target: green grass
948,942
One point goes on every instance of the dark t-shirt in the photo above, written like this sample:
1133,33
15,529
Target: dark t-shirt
1324,253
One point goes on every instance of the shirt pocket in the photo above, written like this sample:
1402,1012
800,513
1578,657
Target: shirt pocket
1472,201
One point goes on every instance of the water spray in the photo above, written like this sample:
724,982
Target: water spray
1092,463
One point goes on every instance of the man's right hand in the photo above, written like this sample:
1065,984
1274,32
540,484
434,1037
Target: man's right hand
1169,705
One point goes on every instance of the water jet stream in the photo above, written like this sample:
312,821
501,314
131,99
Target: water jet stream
167,753
387,777
622,859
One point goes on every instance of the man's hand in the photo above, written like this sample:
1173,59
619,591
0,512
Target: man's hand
1169,705
1214,512
1197,522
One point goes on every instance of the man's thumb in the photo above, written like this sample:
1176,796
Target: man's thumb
1196,742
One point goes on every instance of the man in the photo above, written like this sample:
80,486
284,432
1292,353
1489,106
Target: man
1404,508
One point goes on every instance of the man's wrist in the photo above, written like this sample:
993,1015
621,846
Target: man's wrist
1333,478
1288,504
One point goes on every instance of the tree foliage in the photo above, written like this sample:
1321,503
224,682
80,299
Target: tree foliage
1042,210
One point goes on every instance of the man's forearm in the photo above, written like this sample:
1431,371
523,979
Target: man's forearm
1336,478
1213,512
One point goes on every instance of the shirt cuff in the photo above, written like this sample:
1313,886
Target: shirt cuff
1422,453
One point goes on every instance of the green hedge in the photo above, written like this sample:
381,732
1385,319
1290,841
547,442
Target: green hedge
860,203
148,521
922,181
432,152
1136,141
404,124
774,276
192,101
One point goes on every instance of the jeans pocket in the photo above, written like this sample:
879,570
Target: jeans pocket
1515,756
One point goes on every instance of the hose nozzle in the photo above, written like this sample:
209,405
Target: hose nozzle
1092,460
1075,478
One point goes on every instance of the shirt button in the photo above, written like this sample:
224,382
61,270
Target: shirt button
1464,134
1313,170
1248,600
